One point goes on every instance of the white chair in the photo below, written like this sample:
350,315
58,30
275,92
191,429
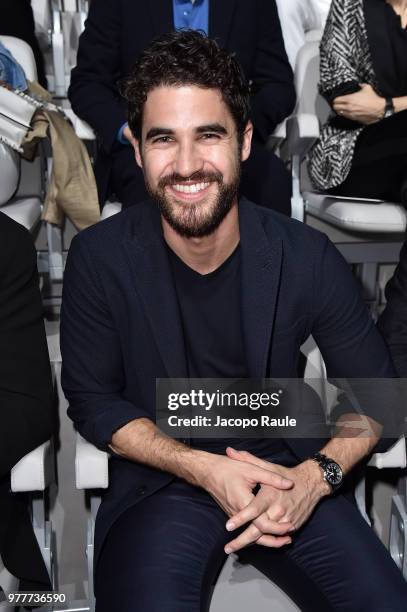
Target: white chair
395,457
34,473
367,233
25,206
67,20
237,584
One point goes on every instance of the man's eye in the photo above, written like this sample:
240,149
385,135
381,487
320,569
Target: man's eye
210,136
162,139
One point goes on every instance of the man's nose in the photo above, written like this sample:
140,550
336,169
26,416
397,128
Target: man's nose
188,160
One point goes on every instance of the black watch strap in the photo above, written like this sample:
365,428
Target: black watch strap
389,108
333,479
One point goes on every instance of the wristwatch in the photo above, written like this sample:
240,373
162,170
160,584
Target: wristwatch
389,109
332,471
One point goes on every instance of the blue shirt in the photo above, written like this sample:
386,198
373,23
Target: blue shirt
193,16
10,70
186,15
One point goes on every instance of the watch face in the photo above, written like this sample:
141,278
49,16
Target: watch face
333,473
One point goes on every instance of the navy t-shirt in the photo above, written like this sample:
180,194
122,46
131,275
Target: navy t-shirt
210,309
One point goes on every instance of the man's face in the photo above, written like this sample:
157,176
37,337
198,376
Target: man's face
190,157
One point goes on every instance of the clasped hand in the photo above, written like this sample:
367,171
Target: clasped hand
364,106
285,500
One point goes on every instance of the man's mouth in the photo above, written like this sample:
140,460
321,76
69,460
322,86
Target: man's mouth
190,188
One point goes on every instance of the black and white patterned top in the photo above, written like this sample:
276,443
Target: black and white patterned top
345,61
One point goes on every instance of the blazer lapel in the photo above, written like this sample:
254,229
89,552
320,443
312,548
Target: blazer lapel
261,269
220,19
162,16
152,277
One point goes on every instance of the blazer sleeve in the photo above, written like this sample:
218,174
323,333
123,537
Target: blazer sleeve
93,91
93,373
274,94
25,375
393,321
338,67
352,347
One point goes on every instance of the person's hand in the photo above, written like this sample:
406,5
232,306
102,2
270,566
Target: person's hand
231,485
128,134
288,507
364,106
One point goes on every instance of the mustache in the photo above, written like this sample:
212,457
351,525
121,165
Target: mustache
199,177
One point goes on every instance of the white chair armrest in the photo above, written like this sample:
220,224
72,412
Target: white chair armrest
395,457
35,471
82,129
110,209
91,466
281,130
302,132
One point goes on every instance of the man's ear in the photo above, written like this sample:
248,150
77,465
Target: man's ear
137,152
247,141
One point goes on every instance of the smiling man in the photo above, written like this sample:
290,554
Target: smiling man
195,283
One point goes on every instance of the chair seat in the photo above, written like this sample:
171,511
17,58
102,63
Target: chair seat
357,215
26,211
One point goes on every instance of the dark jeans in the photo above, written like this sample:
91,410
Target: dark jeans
265,179
164,554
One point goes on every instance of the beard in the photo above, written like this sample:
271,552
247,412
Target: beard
196,220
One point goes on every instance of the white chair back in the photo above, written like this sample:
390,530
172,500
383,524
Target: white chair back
22,52
306,81
9,173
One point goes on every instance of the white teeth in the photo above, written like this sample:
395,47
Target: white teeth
190,188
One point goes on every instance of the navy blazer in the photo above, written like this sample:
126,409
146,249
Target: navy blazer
121,328
117,31
393,321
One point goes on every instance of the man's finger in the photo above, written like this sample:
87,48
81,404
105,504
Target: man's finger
270,527
249,535
252,511
247,458
267,477
273,541
265,469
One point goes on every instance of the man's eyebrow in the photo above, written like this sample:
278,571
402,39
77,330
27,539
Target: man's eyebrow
212,127
158,131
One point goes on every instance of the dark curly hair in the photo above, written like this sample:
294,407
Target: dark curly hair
186,57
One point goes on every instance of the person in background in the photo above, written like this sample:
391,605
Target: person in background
17,20
116,31
26,406
362,151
